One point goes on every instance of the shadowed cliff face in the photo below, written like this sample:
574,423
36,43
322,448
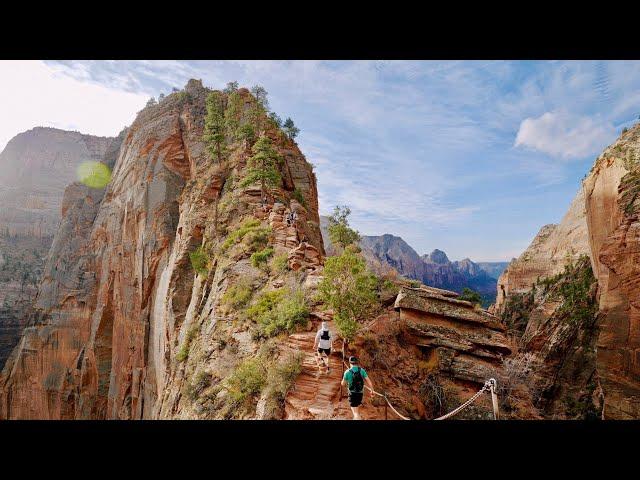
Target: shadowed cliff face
120,297
612,204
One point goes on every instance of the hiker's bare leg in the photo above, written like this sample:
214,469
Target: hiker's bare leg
318,359
356,413
325,360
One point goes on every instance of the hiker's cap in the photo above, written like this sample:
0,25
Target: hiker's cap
325,326
353,360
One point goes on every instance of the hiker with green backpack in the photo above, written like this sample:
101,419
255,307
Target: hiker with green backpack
355,378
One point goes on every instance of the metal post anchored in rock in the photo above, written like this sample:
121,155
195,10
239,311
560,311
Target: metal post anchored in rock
493,385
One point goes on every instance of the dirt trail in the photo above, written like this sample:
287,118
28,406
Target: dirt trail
316,395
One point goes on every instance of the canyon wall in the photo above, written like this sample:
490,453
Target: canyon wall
613,212
121,303
604,348
551,249
35,168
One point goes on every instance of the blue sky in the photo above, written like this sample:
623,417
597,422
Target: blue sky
468,157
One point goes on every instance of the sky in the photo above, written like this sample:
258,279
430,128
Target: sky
470,157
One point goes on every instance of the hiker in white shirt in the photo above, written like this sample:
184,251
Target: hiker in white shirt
323,343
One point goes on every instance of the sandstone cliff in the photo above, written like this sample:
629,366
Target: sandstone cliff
613,211
552,248
602,224
125,328
35,168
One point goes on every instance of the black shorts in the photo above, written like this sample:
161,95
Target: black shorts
355,399
325,350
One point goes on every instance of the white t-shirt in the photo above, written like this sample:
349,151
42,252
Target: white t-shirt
324,343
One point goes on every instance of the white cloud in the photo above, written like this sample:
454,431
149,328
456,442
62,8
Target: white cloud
565,135
35,94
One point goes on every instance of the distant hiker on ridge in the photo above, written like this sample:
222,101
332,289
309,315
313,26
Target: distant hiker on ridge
323,343
355,378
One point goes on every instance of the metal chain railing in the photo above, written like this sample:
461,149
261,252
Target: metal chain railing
489,386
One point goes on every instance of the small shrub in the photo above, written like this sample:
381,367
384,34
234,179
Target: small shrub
183,353
280,263
265,303
279,311
247,380
238,296
183,96
228,185
470,296
199,261
256,239
280,379
201,381
299,197
438,399
257,235
261,257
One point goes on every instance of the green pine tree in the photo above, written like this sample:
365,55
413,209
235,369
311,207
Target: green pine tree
290,128
263,165
214,125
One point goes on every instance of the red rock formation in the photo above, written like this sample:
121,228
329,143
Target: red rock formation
552,248
614,236
120,299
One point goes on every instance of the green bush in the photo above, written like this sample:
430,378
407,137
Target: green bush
279,311
247,380
183,353
340,233
280,379
261,257
470,296
280,263
200,261
257,236
238,296
297,195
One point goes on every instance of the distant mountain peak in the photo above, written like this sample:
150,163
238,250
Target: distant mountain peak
439,257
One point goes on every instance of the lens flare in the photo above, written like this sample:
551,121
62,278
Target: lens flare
94,174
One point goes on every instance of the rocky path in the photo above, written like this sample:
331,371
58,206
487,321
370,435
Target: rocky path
316,395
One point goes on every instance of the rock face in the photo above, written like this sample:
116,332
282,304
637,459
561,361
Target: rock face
602,223
613,210
552,248
35,168
559,342
22,260
124,327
